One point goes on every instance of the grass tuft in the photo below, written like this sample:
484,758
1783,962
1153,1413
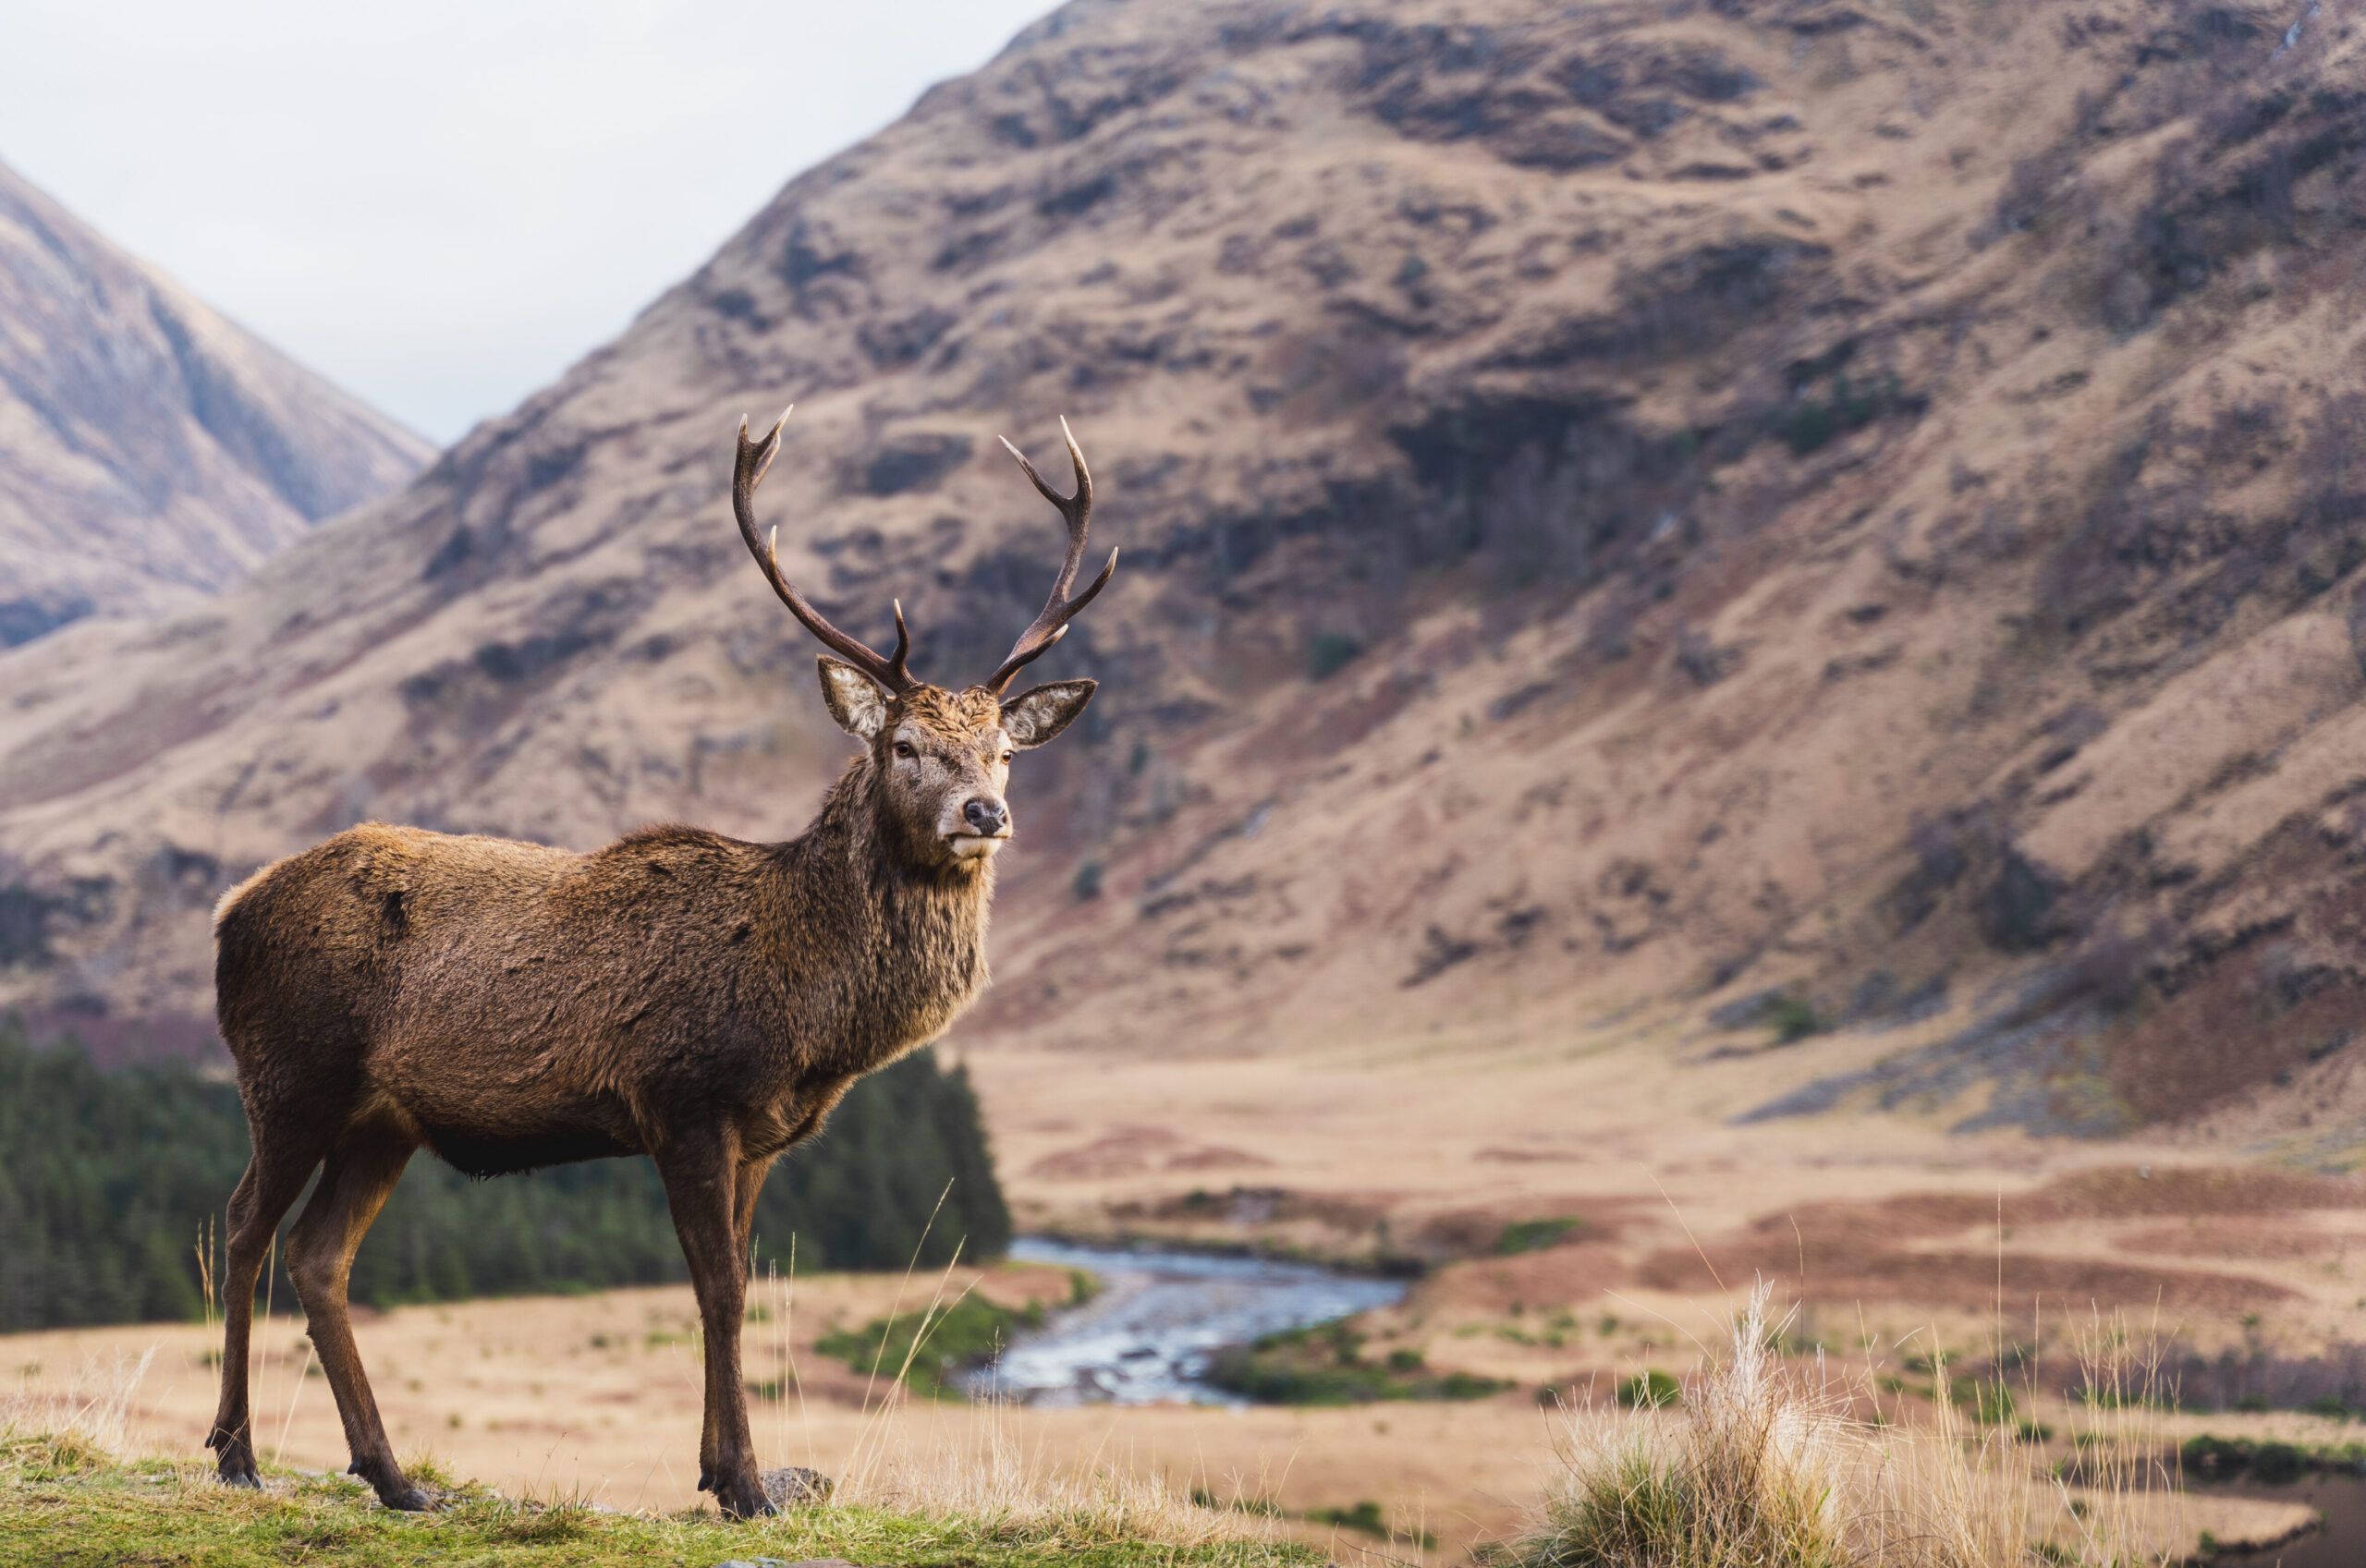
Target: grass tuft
1764,1465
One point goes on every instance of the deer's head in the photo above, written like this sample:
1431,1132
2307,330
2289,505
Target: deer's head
941,757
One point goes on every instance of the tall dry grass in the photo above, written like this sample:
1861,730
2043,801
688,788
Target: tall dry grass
967,1460
93,1416
1767,1463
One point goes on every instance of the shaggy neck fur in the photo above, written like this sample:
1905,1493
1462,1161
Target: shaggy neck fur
863,907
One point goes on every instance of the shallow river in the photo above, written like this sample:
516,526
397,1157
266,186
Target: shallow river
1147,1337
2340,1498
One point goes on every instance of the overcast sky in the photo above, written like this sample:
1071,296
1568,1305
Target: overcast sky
439,204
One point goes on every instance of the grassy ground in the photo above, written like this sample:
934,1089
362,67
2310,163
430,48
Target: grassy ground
65,1502
596,1400
927,1350
1325,1364
1764,1461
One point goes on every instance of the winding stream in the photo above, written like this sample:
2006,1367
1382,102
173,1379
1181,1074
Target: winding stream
1159,1315
1148,1336
2339,1499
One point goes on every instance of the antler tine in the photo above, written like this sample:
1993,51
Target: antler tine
755,460
896,670
1052,622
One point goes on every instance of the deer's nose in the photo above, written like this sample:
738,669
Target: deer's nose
987,815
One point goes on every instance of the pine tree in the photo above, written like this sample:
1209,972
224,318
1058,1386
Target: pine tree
107,1179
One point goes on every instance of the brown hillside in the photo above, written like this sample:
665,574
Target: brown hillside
150,453
1628,508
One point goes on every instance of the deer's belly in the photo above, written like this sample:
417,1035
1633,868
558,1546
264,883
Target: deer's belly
478,1152
493,1113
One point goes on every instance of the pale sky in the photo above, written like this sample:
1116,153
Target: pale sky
440,204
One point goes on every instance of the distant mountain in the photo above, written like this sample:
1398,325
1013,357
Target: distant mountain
151,454
1648,528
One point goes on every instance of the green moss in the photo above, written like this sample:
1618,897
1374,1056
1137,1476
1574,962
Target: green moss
929,1350
1535,1236
1651,1389
1325,1364
2267,1460
1364,1516
1330,652
1793,1018
177,1516
1811,422
1989,1401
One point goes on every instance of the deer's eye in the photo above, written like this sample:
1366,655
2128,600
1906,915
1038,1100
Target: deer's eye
904,750
1007,757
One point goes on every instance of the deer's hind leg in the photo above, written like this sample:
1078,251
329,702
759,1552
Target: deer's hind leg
362,1170
747,1187
282,1162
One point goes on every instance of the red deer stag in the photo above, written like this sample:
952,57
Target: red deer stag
678,994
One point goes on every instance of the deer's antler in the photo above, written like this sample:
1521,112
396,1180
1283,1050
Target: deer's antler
1052,623
755,457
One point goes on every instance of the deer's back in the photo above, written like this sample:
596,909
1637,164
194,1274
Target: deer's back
487,989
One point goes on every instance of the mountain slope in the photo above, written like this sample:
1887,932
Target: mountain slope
1646,530
150,453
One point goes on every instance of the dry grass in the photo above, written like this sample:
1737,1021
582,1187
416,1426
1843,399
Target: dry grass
1766,1463
914,1463
91,1412
983,1469
77,1489
596,1398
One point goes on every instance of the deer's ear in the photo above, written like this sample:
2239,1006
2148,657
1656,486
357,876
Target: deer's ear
858,706
1033,717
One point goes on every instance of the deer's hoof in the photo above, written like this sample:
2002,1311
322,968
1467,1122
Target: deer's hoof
394,1488
237,1466
742,1497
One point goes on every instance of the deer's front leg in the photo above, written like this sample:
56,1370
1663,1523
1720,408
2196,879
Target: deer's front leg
750,1186
702,1174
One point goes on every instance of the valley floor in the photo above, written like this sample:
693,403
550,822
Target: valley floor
1585,1217
593,1401
1662,1196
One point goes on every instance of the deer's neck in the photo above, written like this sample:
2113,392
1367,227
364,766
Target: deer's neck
881,951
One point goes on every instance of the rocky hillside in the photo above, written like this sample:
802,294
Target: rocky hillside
1680,526
151,454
